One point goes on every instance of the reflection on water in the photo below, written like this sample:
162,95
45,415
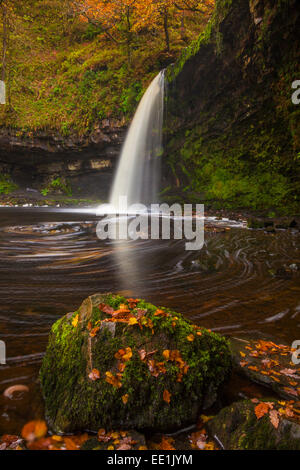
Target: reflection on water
241,280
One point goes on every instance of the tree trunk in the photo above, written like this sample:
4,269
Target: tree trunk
128,37
4,41
166,29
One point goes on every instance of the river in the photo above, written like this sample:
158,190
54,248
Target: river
241,281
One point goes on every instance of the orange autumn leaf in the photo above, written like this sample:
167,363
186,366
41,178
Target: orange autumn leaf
125,398
124,354
166,354
160,313
44,443
75,321
132,302
106,309
121,310
243,363
113,380
121,366
156,368
166,444
70,444
94,374
142,354
261,409
94,331
167,396
34,430
291,391
274,418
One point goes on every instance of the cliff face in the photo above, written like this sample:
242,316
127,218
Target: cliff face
232,134
87,163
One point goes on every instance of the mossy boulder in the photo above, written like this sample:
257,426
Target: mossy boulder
124,363
237,427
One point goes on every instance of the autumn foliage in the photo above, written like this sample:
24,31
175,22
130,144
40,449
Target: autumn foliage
121,20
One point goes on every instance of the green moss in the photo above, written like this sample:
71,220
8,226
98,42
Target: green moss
7,186
210,33
239,429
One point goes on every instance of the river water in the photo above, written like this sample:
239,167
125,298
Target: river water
50,260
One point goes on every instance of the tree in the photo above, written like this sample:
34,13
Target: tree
115,18
7,13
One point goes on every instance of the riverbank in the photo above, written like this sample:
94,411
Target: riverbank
250,218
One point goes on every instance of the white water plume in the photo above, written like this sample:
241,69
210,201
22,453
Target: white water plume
138,172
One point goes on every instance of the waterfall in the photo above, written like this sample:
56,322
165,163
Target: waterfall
138,172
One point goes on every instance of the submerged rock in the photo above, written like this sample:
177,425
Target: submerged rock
261,425
116,440
124,363
268,364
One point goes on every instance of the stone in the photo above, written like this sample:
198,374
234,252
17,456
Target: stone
267,363
237,427
139,368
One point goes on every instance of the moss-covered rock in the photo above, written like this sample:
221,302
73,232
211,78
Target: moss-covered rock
123,363
237,427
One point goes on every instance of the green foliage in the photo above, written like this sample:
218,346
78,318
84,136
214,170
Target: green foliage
7,186
239,152
57,185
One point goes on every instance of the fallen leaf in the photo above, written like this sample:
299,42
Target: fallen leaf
102,436
94,331
94,374
113,380
243,363
261,409
125,398
291,391
166,443
166,354
75,321
274,418
167,396
124,447
34,430
142,354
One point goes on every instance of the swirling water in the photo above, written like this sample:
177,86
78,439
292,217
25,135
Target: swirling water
50,261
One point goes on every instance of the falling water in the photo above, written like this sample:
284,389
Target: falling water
138,172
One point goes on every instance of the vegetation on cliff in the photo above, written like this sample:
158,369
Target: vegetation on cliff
67,69
234,140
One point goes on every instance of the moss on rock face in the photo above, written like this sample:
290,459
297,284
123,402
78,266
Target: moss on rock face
124,363
238,428
232,134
